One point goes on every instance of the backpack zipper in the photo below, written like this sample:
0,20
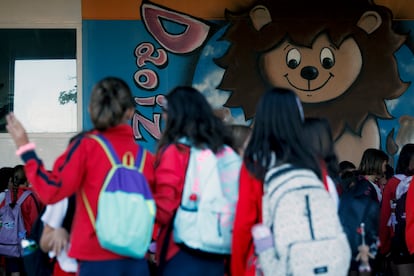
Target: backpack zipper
308,214
219,224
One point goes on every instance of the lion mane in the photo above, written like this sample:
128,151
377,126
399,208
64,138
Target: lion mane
300,22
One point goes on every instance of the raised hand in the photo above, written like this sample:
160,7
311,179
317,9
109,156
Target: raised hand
16,130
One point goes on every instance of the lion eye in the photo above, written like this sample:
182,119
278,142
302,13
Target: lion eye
293,58
327,58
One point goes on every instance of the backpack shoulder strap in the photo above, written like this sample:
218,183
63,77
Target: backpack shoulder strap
7,197
107,147
276,172
23,197
88,208
399,176
185,141
139,160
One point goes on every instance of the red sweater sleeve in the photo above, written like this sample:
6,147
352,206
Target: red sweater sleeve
170,169
385,231
64,179
409,209
248,213
169,179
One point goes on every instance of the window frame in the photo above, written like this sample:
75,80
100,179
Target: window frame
78,30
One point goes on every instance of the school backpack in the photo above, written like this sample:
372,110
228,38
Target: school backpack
308,238
126,208
398,242
12,229
204,219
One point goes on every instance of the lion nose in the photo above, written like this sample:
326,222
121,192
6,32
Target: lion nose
309,73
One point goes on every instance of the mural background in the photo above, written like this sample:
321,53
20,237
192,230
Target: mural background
119,43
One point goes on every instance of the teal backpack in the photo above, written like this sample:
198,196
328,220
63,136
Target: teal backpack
126,208
204,220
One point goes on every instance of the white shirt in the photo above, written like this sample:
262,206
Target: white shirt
54,216
377,190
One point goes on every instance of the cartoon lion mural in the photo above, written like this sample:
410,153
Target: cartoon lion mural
338,56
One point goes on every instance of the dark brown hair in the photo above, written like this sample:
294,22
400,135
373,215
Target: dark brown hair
110,99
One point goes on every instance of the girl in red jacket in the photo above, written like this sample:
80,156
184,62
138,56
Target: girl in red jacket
30,208
82,169
272,143
187,114
248,213
405,168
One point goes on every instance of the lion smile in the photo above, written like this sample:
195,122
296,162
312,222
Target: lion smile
308,89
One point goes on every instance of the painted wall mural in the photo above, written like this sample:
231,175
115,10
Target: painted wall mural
349,62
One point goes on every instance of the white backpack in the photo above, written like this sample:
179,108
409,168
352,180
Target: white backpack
205,217
307,234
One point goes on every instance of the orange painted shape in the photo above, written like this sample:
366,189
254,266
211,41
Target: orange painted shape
206,9
130,9
111,9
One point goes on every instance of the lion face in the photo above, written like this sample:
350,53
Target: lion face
340,60
319,73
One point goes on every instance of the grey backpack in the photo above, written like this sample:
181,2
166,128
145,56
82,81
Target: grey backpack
12,229
307,234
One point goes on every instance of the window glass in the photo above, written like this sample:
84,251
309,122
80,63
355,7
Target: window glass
45,95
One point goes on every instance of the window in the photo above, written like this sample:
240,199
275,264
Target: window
38,78
51,85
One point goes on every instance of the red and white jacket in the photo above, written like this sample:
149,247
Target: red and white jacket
83,166
386,231
409,210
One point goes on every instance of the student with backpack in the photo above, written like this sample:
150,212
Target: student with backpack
192,135
18,213
301,233
390,244
372,168
6,174
359,205
83,168
409,211
248,213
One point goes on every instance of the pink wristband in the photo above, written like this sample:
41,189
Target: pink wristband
24,148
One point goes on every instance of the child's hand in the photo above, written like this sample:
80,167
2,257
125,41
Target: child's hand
59,240
16,130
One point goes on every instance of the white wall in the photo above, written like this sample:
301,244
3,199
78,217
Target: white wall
43,14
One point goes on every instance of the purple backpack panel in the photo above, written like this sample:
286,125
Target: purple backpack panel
12,229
